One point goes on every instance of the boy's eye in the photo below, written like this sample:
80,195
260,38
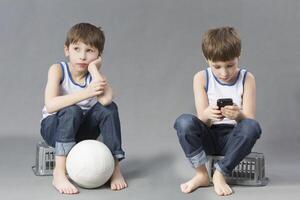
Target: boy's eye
229,66
217,67
76,48
90,50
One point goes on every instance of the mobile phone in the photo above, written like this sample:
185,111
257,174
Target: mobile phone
224,102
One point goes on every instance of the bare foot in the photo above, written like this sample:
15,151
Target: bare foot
62,184
199,180
220,185
117,181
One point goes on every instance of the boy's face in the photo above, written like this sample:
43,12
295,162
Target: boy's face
225,71
81,55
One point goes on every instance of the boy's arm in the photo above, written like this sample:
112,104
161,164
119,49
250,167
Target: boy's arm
107,96
249,98
201,99
53,101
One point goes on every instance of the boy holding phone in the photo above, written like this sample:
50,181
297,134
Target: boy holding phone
225,104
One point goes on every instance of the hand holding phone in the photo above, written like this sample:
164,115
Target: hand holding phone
224,102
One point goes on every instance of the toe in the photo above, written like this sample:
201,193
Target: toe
183,187
229,191
219,191
113,187
75,190
65,191
68,191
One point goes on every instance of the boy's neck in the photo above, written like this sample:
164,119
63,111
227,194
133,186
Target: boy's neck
76,75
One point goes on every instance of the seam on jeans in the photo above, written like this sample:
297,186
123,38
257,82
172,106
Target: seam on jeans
65,141
194,153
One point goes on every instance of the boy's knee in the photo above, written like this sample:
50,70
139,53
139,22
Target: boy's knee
111,109
106,111
71,111
252,128
184,122
112,106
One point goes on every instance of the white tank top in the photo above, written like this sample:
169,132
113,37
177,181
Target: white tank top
215,89
68,86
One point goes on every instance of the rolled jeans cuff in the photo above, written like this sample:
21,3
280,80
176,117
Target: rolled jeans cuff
217,167
198,160
62,149
119,156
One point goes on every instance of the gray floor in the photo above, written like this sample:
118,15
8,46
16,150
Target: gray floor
156,175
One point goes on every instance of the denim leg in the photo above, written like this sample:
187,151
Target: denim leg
195,138
104,120
240,142
48,129
59,130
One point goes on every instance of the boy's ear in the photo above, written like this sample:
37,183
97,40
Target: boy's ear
66,51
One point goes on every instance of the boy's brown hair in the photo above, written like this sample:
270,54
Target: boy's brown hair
88,34
221,44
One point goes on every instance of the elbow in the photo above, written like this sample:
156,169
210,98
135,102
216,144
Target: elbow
49,108
107,98
243,116
105,101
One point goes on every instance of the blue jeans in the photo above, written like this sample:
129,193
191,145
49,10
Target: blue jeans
233,142
71,125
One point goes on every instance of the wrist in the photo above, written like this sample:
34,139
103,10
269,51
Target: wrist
95,74
86,93
204,119
240,117
92,68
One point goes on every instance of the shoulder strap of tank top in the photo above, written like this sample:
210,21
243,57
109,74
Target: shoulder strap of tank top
207,79
245,75
63,68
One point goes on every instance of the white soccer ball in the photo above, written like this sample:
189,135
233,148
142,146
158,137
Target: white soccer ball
90,164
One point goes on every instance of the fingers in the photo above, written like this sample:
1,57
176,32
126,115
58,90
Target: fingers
217,117
103,83
215,107
99,82
229,113
98,85
98,91
97,60
216,112
233,107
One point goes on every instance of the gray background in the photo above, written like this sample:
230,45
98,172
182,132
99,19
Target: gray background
152,51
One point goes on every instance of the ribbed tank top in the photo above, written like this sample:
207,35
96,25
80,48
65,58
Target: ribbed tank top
215,90
68,86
